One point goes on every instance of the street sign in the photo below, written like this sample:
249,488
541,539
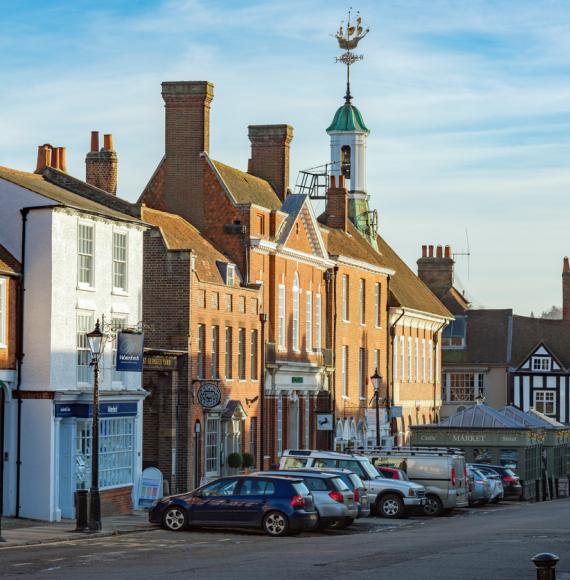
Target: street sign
324,421
395,412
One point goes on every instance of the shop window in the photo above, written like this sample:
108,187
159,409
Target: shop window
481,455
116,451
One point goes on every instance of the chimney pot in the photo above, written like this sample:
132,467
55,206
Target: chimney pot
333,181
430,251
424,251
108,142
448,251
341,181
44,157
62,159
55,158
439,252
94,141
566,265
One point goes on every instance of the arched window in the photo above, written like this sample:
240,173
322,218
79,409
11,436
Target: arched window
345,161
296,311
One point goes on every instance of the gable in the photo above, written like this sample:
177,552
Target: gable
541,360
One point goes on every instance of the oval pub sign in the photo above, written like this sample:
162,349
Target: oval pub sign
209,395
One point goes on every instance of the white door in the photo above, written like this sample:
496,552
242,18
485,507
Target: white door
212,451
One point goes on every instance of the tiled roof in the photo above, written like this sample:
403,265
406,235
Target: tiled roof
529,332
247,188
407,290
153,194
178,235
38,184
487,339
8,264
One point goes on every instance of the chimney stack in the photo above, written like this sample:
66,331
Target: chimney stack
565,289
49,156
101,165
436,271
336,210
270,146
44,157
187,135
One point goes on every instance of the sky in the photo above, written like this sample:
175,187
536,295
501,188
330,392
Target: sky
468,103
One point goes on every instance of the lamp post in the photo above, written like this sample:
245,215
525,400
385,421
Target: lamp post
376,380
97,340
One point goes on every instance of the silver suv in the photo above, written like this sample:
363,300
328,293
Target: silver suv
333,499
390,498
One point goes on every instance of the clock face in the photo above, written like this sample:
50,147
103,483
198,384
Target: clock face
209,395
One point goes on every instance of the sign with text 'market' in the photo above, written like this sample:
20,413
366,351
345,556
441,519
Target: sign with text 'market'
130,351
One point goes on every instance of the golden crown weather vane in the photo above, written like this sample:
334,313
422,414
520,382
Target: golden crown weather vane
348,40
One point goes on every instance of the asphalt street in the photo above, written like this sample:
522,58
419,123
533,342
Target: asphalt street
495,542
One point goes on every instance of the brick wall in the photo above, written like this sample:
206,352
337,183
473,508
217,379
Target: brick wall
101,166
116,502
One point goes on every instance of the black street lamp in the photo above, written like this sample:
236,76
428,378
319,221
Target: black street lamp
376,380
97,340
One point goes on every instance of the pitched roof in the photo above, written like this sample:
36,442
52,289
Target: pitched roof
407,290
529,332
479,416
531,418
180,235
8,264
60,195
247,188
487,339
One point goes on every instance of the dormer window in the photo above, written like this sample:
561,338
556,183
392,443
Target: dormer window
540,363
454,334
230,274
345,161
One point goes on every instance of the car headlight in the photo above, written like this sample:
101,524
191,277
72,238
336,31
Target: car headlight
411,492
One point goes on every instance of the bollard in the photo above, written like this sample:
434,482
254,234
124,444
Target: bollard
82,524
545,566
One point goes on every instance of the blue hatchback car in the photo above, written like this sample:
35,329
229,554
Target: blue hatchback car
278,505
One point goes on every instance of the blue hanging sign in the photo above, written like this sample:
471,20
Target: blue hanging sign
130,351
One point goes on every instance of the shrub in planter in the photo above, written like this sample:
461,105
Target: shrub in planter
248,460
235,460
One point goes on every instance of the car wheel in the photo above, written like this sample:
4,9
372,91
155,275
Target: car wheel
275,524
174,519
434,506
391,506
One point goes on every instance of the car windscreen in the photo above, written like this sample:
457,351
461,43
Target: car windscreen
316,483
300,488
356,481
339,484
294,462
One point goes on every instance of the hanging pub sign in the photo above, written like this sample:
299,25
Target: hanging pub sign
324,421
130,351
209,395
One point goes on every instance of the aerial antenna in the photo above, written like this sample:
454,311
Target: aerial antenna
348,40
466,253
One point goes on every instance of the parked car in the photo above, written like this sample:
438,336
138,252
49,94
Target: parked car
441,470
278,505
392,472
479,487
512,487
333,499
355,484
494,479
389,497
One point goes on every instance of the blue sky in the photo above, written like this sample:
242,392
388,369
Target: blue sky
468,102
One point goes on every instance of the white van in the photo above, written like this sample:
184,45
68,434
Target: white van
440,470
389,498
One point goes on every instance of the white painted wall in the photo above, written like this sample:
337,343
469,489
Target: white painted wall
357,143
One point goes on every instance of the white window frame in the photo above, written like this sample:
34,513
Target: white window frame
84,371
402,359
345,291
296,295
242,366
423,360
253,354
361,373
309,321
230,275
417,359
212,446
281,314
430,357
377,310
228,355
362,293
215,352
318,322
118,261
344,371
201,351
89,227
3,312
410,375
544,395
538,363
395,359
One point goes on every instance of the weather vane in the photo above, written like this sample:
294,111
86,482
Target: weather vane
348,40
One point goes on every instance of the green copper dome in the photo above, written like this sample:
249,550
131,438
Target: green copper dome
348,118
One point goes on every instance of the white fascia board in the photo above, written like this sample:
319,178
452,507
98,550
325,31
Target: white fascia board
405,315
265,246
364,265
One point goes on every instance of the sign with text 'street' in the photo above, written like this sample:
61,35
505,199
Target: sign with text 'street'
130,351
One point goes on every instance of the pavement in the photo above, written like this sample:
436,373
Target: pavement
23,532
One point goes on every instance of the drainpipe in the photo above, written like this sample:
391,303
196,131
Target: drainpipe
263,320
392,335
335,318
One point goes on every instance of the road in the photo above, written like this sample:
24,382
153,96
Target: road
495,542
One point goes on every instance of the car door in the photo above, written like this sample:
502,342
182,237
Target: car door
215,502
253,499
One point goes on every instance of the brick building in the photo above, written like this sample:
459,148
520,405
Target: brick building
9,288
201,314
